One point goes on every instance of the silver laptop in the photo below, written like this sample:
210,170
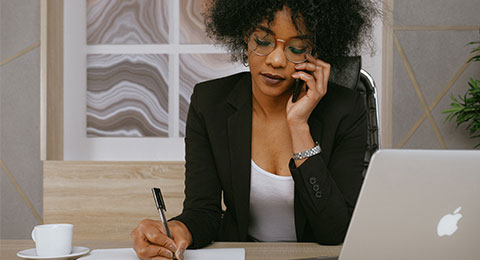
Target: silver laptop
417,204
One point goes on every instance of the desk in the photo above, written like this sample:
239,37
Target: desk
277,251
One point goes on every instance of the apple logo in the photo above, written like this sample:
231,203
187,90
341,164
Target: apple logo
448,224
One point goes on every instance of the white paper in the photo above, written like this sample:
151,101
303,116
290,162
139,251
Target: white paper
198,254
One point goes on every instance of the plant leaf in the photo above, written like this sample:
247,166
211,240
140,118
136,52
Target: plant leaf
466,108
475,58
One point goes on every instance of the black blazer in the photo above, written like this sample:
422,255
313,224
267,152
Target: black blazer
218,154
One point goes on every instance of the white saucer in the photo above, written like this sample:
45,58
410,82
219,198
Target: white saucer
31,253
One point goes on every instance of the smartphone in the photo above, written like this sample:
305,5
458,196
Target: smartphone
297,88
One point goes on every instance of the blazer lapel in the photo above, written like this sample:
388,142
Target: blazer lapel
240,138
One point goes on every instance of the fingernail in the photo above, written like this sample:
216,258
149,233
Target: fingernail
179,254
172,248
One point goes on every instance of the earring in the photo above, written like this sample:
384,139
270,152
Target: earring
244,59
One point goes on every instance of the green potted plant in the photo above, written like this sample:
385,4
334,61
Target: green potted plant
466,109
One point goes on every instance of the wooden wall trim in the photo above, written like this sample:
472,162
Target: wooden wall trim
43,80
107,200
51,56
386,130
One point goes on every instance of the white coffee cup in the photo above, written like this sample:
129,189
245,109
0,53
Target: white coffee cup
53,239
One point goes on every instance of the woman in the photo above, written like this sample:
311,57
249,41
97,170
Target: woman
288,171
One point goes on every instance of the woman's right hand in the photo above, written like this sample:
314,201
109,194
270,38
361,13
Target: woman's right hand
151,242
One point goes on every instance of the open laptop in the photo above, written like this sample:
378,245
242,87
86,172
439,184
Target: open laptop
417,204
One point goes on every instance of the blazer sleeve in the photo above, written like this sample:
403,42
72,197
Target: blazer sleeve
202,205
328,193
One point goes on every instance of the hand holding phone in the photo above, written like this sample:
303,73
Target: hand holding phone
314,73
297,88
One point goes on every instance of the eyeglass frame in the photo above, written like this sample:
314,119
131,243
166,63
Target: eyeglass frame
268,31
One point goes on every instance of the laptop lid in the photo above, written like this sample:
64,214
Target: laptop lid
412,202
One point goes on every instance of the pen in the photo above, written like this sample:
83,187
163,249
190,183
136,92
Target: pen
157,195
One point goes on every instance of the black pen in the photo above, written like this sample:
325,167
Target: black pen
157,195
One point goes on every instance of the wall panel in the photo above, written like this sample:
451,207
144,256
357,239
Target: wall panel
20,164
429,65
107,200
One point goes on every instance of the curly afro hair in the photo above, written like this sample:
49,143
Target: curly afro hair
337,28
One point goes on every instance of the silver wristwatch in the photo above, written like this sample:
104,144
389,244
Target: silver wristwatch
308,153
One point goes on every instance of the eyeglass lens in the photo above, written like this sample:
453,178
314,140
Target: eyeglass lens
263,43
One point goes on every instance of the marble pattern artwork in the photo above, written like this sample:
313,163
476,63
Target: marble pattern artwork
192,28
127,22
127,95
196,68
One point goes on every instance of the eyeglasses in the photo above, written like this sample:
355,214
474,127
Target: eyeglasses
263,43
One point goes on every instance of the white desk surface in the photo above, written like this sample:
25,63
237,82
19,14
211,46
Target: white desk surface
277,251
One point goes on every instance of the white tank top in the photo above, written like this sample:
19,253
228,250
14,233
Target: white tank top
271,206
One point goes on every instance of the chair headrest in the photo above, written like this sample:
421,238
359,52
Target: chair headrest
348,74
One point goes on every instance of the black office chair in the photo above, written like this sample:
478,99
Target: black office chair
351,75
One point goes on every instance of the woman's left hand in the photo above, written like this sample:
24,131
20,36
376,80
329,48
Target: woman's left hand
316,79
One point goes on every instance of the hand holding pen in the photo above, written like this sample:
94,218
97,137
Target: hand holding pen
157,196
152,241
